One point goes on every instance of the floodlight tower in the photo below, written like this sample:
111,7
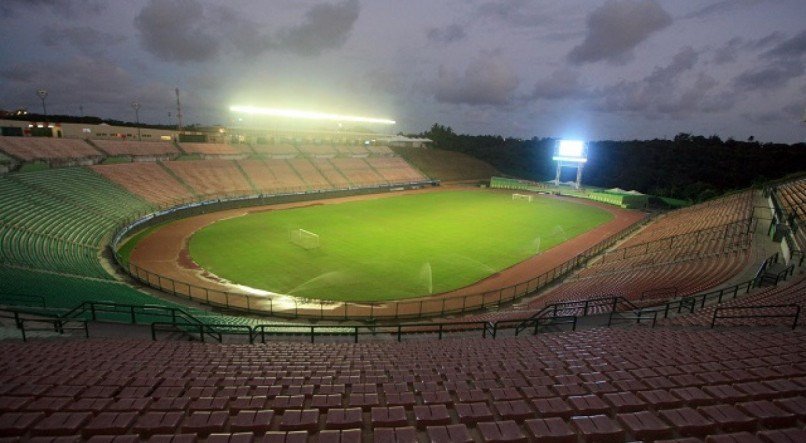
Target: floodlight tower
570,154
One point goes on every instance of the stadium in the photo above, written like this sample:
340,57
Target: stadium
339,291
294,269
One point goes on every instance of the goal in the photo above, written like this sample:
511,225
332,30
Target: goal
522,197
304,239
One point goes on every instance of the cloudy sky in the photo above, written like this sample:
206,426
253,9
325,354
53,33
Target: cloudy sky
616,69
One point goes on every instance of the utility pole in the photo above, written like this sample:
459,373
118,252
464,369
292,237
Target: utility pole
178,111
136,107
42,95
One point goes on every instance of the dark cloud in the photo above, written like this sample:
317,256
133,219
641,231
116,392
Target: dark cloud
791,113
514,12
177,30
560,84
326,26
75,81
87,40
721,7
67,8
191,31
615,28
489,80
791,47
664,92
771,76
449,34
782,63
730,51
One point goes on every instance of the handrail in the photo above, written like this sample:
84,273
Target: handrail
94,307
667,292
727,230
585,305
690,303
795,316
57,324
214,330
536,323
398,330
637,316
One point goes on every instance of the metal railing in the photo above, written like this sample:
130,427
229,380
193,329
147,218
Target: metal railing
534,324
665,293
691,303
561,309
794,315
56,324
739,228
259,333
616,317
216,331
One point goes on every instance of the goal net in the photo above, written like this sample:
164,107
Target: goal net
304,239
522,197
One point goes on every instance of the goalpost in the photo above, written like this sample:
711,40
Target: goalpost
522,197
304,239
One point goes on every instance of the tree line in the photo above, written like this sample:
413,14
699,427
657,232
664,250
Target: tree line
689,167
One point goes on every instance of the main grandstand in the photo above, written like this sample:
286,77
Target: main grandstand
671,325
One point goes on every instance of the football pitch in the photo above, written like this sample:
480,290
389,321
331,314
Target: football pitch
388,248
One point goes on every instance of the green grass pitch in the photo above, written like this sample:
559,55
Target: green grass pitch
389,248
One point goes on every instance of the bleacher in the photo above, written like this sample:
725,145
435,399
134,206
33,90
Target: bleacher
331,173
309,173
395,169
137,148
59,219
211,178
29,149
317,150
285,174
793,197
358,171
148,180
213,149
761,308
719,212
280,150
379,149
597,385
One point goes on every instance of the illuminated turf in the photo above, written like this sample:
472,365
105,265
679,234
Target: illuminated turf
389,248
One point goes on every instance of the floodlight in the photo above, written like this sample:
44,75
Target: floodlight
570,154
571,148
571,151
307,115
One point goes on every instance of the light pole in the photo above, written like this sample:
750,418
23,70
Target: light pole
136,107
42,95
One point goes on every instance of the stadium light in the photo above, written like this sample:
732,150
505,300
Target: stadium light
307,115
43,94
571,151
136,107
570,154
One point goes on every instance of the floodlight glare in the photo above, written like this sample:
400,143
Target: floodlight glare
571,148
570,151
292,113
570,154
